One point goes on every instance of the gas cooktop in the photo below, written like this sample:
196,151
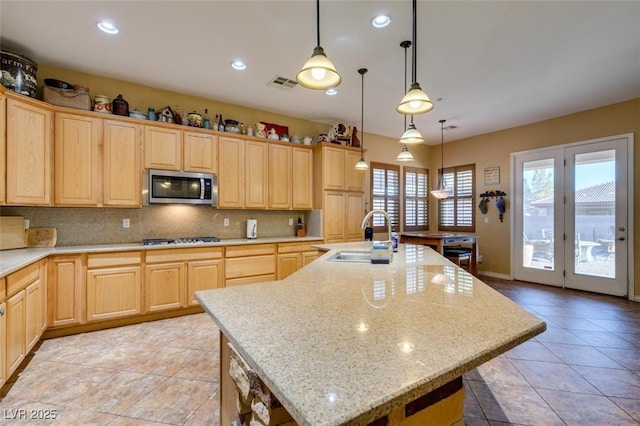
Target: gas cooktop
189,240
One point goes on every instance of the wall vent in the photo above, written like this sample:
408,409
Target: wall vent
282,83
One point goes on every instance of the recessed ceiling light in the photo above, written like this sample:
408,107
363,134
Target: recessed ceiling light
331,91
238,65
107,27
381,21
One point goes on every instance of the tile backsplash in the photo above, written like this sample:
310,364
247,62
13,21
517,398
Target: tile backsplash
88,226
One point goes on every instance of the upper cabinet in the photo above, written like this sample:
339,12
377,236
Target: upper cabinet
77,160
231,173
162,148
334,167
302,178
290,177
200,152
121,164
29,137
256,175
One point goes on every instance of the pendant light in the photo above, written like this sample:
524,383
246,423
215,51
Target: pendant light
411,135
405,155
416,100
318,72
441,192
361,164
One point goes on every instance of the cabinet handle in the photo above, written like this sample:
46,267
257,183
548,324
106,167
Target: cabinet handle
1,312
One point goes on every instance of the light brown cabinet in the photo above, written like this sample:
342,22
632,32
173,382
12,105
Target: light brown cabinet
290,177
256,172
66,290
248,264
200,152
162,148
172,276
302,180
338,192
293,256
29,136
230,173
121,164
24,313
77,160
3,340
114,285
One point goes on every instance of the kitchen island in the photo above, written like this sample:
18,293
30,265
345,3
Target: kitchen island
353,343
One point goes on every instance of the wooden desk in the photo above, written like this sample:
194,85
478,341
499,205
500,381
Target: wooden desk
439,240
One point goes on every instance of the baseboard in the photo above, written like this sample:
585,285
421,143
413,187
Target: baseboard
495,275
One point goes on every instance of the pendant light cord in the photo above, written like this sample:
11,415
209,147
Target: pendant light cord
442,154
404,44
362,71
318,21
415,30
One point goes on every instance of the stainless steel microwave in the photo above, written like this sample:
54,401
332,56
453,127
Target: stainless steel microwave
171,187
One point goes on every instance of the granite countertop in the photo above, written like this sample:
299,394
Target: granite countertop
346,343
12,260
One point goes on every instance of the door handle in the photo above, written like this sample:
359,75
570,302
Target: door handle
621,239
621,229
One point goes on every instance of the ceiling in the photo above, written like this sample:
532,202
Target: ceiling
486,65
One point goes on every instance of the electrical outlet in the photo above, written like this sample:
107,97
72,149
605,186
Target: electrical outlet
126,223
480,258
290,221
486,220
225,221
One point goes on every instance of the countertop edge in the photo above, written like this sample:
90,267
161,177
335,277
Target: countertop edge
16,259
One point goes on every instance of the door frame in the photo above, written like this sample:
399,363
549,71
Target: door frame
630,204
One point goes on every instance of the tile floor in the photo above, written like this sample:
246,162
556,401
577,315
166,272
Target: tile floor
584,370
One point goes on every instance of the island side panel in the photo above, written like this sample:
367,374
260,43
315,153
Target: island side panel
228,393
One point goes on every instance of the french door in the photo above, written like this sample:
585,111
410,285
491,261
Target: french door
571,215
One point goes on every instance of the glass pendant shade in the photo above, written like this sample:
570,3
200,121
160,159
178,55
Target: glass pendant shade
318,72
404,155
411,136
441,192
415,101
361,164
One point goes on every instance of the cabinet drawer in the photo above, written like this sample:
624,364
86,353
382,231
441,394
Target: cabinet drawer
183,255
249,280
295,247
250,250
101,260
22,278
250,266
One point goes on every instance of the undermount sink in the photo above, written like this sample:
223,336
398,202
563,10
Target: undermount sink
351,256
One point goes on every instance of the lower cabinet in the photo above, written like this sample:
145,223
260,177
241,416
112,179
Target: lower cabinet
249,264
172,276
114,285
66,290
293,256
3,339
23,315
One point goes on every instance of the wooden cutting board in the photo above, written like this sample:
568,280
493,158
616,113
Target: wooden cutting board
42,237
12,233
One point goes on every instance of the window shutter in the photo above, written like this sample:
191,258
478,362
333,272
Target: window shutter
457,212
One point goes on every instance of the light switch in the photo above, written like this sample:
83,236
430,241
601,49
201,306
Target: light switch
126,223
290,221
225,222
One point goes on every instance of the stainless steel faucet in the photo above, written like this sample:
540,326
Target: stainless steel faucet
382,212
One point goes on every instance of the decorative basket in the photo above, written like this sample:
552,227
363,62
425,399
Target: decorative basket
79,99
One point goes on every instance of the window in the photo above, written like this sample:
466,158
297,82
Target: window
385,194
416,199
457,212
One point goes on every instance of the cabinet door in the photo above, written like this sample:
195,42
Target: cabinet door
33,315
230,173
203,275
309,257
280,176
256,168
354,178
200,153
122,166
16,331
354,214
333,164
242,267
302,179
3,340
3,161
334,216
77,160
162,148
65,291
288,264
29,151
113,293
165,286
